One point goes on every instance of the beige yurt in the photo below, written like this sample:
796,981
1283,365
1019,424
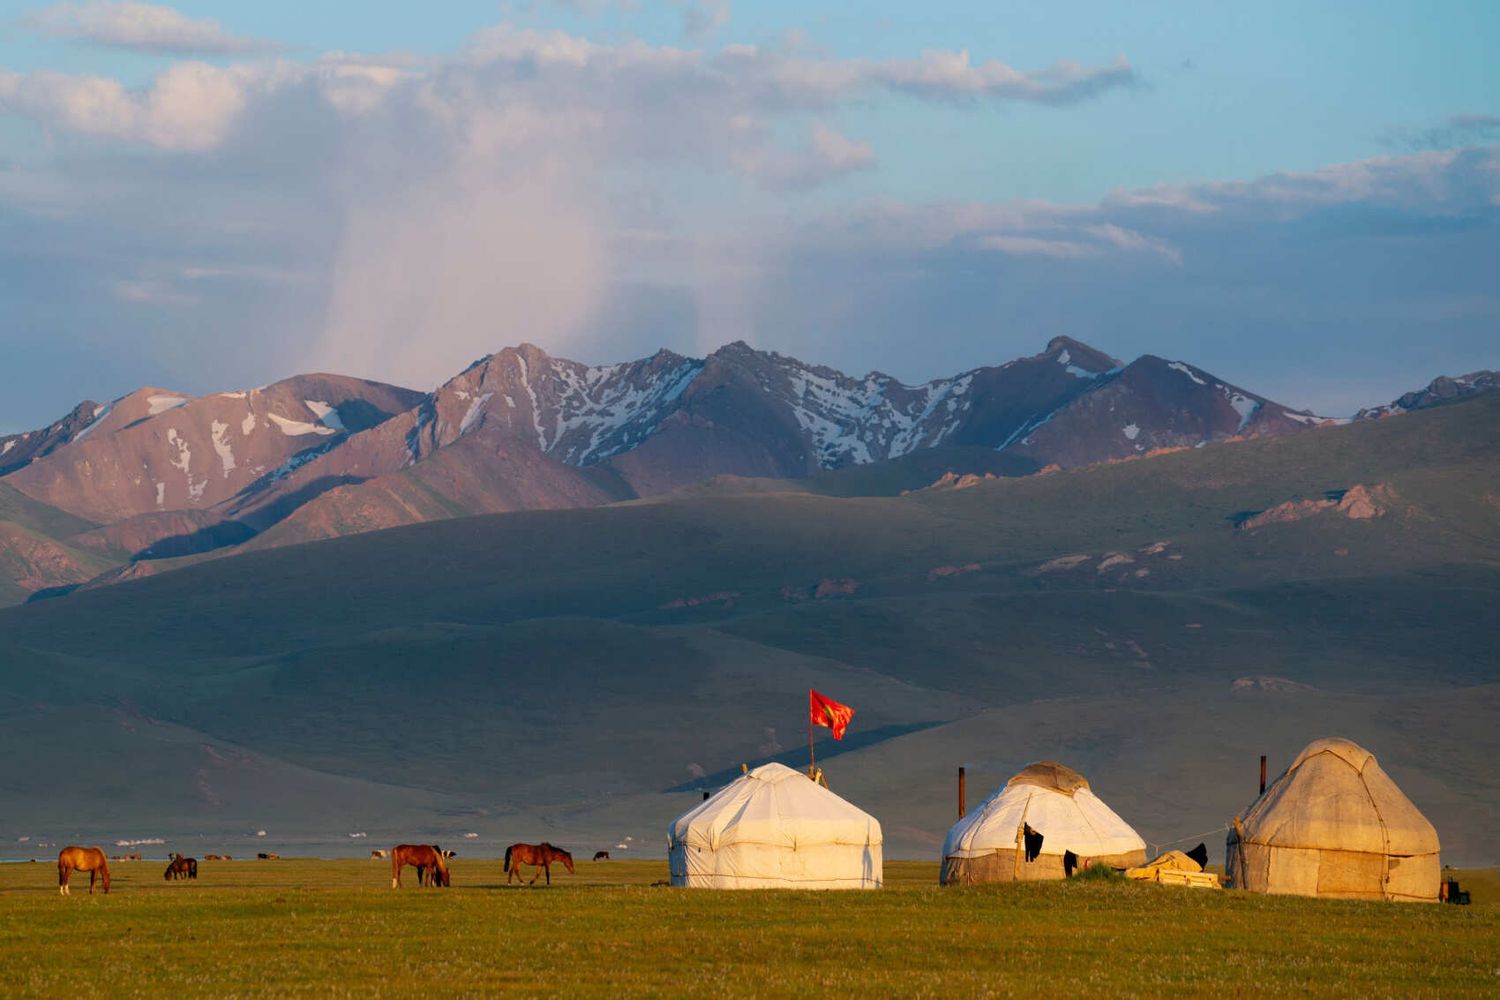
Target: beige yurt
774,828
1335,825
988,845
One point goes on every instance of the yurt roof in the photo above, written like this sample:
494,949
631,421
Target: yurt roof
1050,774
774,805
1055,801
1335,796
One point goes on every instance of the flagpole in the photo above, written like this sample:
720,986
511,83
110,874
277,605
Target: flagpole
812,760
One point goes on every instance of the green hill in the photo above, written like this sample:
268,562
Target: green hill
1156,623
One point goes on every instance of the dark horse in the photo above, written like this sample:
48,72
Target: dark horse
538,855
81,859
427,859
181,867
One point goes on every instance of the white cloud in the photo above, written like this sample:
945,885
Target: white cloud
1126,239
142,27
399,217
829,154
1036,245
952,75
189,106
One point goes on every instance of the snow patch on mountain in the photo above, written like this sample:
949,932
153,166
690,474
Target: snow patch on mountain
100,413
184,454
297,428
1243,405
855,421
161,404
1178,366
327,415
1066,360
536,417
475,411
222,446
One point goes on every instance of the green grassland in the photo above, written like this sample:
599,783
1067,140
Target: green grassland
296,927
555,675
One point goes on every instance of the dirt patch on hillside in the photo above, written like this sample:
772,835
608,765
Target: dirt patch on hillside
1357,503
941,572
1264,683
826,588
954,481
1063,563
725,598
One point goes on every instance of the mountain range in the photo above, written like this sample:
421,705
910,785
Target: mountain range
158,477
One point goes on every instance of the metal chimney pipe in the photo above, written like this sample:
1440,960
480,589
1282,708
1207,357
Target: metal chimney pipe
1262,774
961,809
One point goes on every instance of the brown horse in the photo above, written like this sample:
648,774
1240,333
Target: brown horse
181,867
81,859
427,859
539,856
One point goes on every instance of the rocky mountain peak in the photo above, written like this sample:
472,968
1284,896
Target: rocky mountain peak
1079,355
1440,390
18,450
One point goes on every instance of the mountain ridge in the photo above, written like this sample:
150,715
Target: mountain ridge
519,429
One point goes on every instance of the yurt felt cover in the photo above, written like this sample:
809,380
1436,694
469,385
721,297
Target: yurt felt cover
1334,824
773,828
1055,801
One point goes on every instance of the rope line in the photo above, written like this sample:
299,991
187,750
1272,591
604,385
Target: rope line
1156,848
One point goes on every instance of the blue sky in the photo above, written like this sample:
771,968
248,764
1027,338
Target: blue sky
215,194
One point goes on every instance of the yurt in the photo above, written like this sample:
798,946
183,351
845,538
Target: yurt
774,828
1335,825
990,843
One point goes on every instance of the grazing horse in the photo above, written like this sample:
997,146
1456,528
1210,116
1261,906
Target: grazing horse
81,859
181,867
427,859
601,855
538,855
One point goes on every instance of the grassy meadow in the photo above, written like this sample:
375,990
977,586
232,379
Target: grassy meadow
335,927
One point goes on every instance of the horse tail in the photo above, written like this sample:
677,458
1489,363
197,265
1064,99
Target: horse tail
507,857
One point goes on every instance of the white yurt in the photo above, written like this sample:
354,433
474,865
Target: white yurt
988,845
1335,825
774,828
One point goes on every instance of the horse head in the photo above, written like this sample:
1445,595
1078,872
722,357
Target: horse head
567,859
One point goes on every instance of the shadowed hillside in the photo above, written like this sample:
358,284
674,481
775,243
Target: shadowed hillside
1156,623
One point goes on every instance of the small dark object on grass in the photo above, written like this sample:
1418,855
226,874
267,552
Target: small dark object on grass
1451,893
661,883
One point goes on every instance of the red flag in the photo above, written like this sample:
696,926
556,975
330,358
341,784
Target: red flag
827,712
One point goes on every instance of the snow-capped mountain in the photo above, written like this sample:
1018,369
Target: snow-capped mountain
164,474
1442,389
1152,404
155,450
17,450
